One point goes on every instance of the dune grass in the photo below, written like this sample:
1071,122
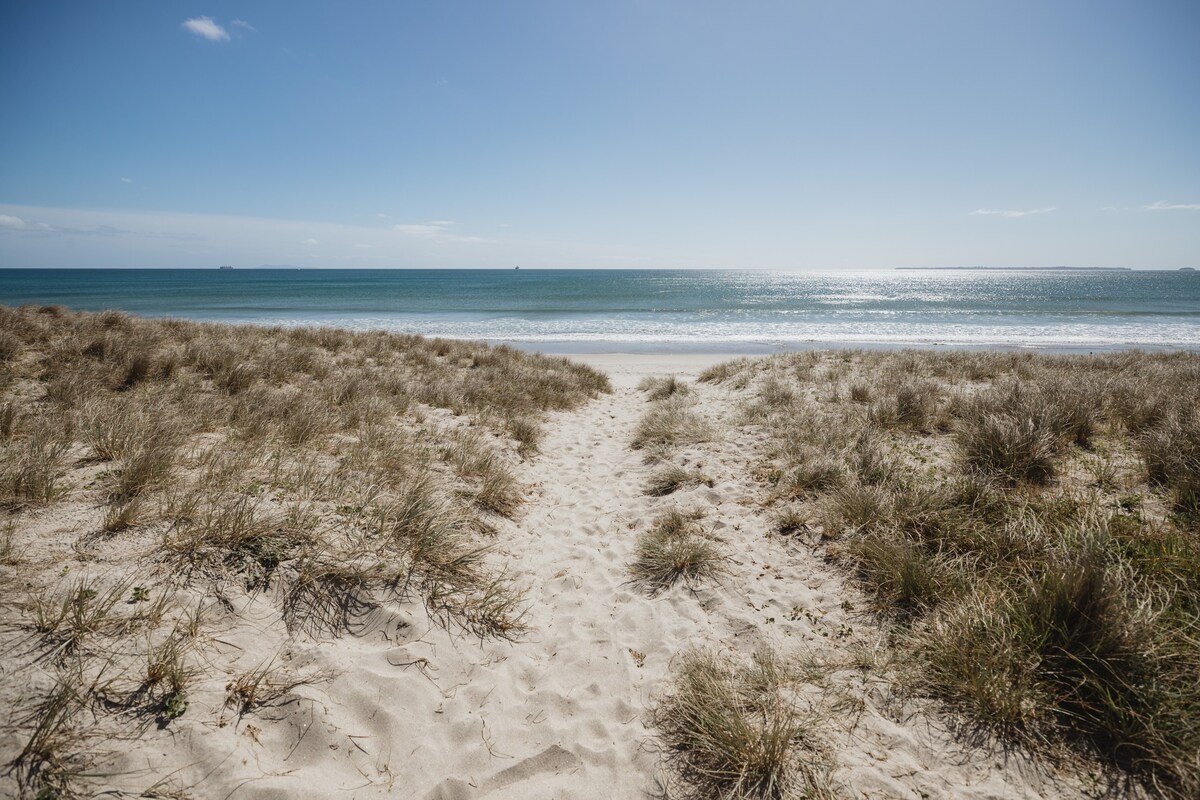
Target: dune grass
32,470
327,471
676,547
1171,452
58,751
662,388
731,730
1028,523
671,478
672,422
266,685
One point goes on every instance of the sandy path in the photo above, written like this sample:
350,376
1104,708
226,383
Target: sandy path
564,711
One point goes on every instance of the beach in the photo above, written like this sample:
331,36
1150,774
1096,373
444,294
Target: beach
575,401
300,608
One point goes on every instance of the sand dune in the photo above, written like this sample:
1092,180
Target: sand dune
563,712
406,708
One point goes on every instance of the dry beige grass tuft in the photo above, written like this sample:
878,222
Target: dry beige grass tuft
672,422
669,479
662,388
734,731
677,548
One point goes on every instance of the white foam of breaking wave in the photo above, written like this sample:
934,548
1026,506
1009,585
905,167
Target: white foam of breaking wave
716,332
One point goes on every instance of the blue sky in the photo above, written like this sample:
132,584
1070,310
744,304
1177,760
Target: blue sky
792,135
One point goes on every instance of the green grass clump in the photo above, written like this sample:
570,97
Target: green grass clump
1016,431
902,575
814,471
913,404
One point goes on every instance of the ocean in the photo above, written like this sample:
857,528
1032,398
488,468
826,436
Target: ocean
664,310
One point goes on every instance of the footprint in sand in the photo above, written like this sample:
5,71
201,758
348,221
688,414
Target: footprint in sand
518,781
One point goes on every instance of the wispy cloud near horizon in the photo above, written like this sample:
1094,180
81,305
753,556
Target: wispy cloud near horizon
1164,206
437,231
206,28
9,222
57,237
990,212
34,236
12,225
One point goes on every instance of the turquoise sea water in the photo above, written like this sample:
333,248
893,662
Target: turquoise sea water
622,310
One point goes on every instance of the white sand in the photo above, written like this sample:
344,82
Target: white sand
414,712
627,370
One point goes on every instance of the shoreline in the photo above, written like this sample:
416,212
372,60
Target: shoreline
667,312
577,348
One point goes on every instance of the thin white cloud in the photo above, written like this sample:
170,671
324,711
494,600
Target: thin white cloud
423,230
204,27
241,23
363,246
1162,206
1012,214
381,215
10,223
161,239
436,231
126,180
310,242
37,229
